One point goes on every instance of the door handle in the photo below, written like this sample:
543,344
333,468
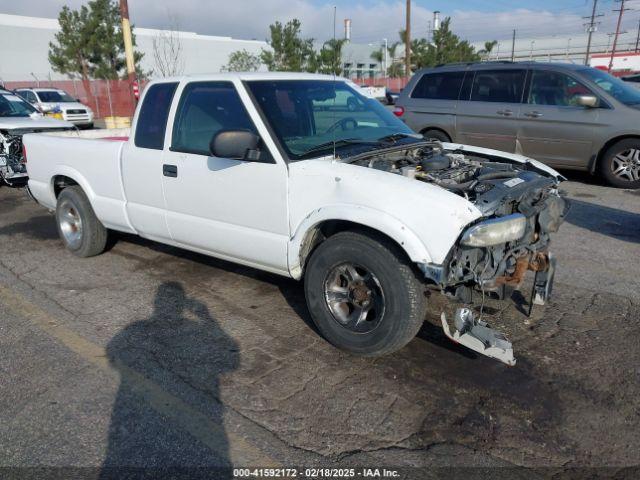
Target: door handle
170,170
505,113
533,114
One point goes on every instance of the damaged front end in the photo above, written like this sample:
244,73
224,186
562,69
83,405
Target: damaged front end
521,207
13,170
493,255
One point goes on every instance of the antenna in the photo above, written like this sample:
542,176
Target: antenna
335,62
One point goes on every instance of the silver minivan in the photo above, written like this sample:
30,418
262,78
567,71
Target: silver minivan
568,116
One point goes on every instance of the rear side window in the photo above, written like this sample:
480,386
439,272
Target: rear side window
439,86
206,108
504,86
152,121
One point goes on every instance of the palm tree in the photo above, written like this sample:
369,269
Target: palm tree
488,48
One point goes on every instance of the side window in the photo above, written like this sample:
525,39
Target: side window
206,108
439,86
32,98
503,86
152,120
555,88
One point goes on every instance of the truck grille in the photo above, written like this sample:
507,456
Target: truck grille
76,112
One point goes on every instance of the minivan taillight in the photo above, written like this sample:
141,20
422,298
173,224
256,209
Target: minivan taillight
398,111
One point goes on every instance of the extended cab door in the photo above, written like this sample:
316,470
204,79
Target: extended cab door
553,127
233,209
487,113
142,163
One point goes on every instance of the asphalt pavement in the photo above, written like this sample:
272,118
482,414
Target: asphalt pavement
152,357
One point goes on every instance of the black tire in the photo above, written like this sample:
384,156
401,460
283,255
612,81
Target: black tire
436,135
609,163
403,292
91,235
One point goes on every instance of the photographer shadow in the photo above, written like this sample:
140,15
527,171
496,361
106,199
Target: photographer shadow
167,363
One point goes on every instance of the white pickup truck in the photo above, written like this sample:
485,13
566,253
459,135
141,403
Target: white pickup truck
259,170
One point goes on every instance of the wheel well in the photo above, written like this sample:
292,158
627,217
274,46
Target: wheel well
60,182
425,130
606,147
328,228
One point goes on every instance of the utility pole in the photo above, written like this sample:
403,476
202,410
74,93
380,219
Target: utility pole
407,42
592,26
128,48
615,38
513,46
638,37
385,44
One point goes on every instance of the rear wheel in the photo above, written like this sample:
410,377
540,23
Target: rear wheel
363,295
620,165
436,135
78,227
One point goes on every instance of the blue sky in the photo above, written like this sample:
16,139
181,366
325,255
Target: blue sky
373,20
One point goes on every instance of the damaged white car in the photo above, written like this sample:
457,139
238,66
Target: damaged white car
304,176
17,117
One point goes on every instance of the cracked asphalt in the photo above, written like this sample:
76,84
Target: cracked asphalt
150,356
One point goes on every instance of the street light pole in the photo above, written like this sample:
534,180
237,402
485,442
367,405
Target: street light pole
128,47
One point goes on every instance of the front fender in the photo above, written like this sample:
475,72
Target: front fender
369,217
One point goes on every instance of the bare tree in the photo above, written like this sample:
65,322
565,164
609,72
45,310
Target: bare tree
167,50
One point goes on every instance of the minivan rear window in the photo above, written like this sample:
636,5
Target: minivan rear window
503,86
439,86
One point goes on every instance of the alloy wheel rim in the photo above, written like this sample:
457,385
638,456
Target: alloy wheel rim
354,297
626,165
70,224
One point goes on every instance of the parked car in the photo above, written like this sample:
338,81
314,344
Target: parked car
17,117
254,169
50,100
567,116
633,80
391,96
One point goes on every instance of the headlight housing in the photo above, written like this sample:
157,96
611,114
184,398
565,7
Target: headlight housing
495,231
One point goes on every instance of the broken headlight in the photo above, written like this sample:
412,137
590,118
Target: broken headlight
495,231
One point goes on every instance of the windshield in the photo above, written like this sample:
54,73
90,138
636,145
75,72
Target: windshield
307,116
615,87
58,96
13,106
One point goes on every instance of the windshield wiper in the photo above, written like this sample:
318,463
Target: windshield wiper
340,143
394,137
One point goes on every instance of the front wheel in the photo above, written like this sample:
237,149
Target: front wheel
620,165
78,227
363,295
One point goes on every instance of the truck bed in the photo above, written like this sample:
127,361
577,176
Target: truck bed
93,163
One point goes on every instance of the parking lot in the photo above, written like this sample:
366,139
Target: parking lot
152,356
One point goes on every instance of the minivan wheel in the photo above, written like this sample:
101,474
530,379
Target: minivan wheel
363,294
620,165
436,135
78,227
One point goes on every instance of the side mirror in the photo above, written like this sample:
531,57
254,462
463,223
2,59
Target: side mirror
589,101
235,144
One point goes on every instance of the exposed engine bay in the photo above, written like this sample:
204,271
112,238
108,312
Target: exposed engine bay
519,200
13,170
